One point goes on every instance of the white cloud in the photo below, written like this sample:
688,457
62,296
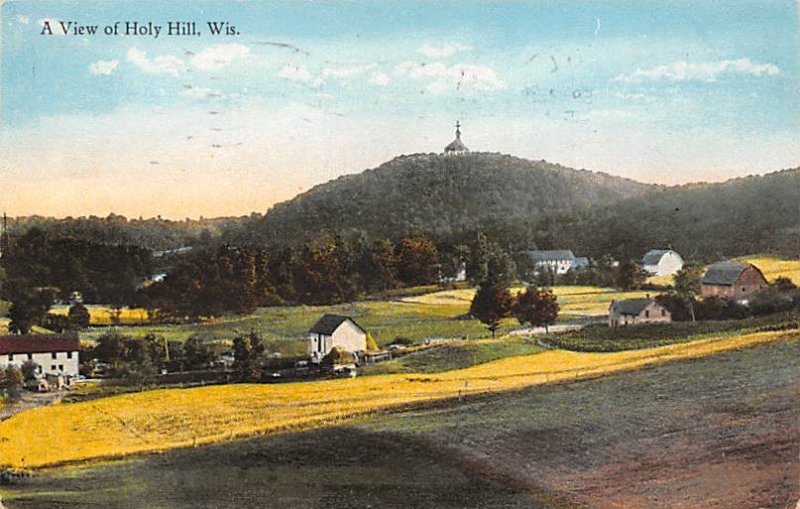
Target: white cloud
444,50
162,64
380,79
294,73
479,78
707,71
103,67
346,72
199,92
216,57
23,19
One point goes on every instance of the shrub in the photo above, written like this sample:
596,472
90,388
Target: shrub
338,357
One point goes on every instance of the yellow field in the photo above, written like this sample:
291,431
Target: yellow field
773,268
101,315
666,280
576,300
166,419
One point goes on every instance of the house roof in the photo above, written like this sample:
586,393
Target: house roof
38,343
551,256
328,323
630,306
654,256
456,146
723,273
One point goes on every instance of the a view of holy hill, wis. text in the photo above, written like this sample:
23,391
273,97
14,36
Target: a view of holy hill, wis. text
399,254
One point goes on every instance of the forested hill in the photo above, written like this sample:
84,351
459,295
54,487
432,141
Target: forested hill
441,196
703,221
153,234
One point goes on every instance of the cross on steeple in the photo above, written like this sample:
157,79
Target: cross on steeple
456,146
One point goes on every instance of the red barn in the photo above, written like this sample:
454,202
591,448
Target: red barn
732,280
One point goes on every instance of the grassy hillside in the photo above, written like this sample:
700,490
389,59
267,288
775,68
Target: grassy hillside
173,418
433,315
671,436
441,195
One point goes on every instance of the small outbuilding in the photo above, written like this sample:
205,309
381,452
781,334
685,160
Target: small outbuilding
332,331
733,280
662,262
622,313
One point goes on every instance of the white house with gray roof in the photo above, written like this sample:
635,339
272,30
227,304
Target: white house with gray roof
559,261
662,262
331,331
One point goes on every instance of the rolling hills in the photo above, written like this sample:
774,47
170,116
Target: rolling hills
442,196
527,204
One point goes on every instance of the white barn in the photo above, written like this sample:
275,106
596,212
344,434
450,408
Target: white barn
334,330
53,354
662,262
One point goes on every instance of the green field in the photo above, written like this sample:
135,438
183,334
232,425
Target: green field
455,355
601,338
284,328
433,315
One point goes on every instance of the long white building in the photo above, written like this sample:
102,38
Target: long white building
54,354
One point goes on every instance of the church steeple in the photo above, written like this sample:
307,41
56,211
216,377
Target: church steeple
456,146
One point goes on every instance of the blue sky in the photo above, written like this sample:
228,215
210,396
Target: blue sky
666,92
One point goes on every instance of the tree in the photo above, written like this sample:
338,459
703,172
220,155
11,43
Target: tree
29,370
247,354
629,275
538,307
380,267
11,381
416,260
489,264
784,284
29,307
490,304
79,317
688,286
111,349
196,353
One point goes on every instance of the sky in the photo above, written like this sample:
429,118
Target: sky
301,92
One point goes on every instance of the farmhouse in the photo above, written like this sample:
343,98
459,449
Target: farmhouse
53,354
334,330
662,262
558,261
731,280
637,312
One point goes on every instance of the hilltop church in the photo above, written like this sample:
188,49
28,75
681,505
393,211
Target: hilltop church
456,147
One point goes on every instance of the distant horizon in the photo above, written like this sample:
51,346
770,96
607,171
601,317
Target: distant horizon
206,217
293,94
